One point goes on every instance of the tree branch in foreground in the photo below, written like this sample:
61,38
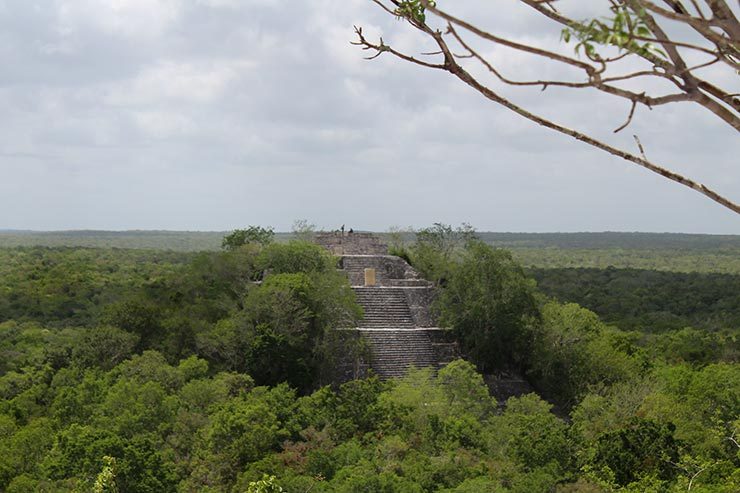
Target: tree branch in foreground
633,32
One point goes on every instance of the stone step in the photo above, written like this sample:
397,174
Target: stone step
386,310
386,316
393,352
392,308
389,317
380,302
384,324
384,307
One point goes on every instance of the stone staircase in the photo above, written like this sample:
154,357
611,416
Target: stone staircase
398,324
392,331
395,351
385,308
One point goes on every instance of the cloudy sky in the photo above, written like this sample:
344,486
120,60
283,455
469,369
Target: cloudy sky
216,114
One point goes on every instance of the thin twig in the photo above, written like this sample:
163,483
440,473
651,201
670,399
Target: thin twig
629,118
732,439
699,12
693,477
639,145
383,48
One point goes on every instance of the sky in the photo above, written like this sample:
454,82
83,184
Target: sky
218,114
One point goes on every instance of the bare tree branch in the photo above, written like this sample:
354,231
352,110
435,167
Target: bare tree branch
629,118
596,83
511,44
698,9
381,48
658,62
673,68
693,477
727,22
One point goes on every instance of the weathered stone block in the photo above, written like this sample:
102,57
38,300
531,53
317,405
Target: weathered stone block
369,276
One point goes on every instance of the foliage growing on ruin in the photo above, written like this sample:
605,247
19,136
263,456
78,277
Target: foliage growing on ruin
180,386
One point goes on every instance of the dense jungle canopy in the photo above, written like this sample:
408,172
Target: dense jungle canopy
149,370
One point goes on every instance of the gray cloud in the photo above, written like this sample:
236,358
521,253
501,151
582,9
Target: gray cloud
214,114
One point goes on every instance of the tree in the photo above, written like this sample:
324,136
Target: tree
296,256
433,254
492,307
641,448
268,484
533,435
105,482
245,429
137,316
253,234
574,351
634,45
104,347
303,230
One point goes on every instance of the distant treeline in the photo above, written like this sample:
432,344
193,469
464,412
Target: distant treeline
211,240
188,241
649,251
648,300
611,240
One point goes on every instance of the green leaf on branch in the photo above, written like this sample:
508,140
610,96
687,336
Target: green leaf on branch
619,31
413,10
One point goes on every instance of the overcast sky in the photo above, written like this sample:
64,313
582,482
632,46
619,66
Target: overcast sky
217,114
